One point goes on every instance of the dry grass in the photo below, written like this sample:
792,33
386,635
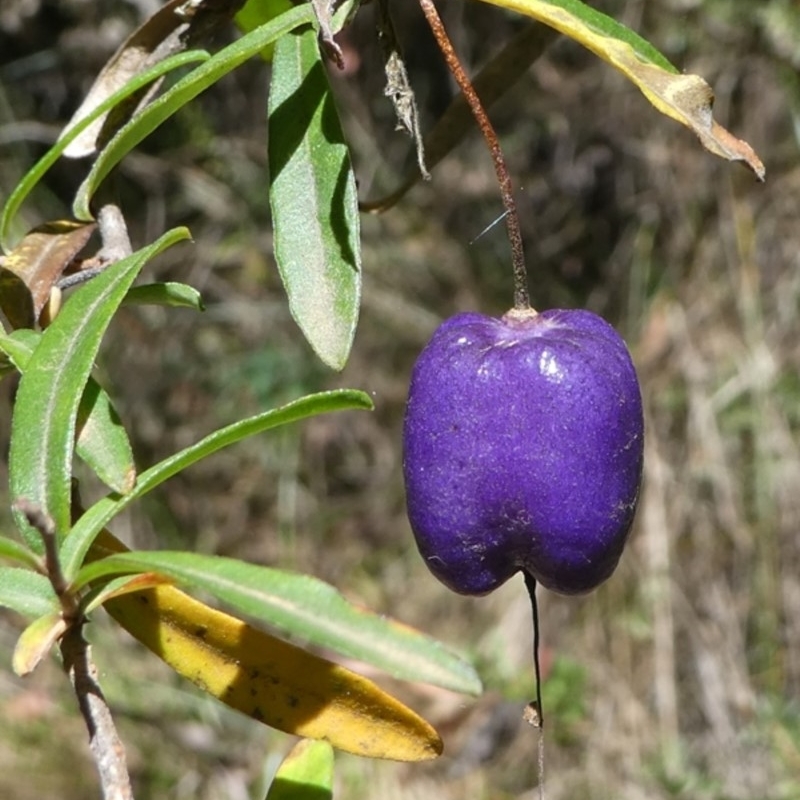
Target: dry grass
680,678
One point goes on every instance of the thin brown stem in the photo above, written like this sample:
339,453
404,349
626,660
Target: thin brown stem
104,742
44,525
521,294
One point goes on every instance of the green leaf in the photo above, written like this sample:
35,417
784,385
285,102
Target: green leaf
103,442
259,12
36,642
163,107
305,774
171,293
313,199
685,98
19,345
302,606
37,172
102,512
26,592
14,551
46,405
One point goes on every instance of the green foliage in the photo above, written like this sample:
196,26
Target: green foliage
61,410
313,199
46,408
306,772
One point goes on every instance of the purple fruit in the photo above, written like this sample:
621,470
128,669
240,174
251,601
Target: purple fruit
523,447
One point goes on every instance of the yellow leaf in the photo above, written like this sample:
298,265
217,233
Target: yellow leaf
685,98
268,679
36,641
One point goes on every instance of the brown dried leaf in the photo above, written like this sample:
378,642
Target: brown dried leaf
34,266
491,83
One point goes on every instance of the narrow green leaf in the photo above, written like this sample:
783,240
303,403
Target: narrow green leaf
102,512
26,592
163,107
305,774
302,606
46,405
36,642
19,345
103,442
259,12
313,199
14,551
171,293
37,172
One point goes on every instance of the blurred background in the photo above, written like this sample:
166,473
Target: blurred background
680,677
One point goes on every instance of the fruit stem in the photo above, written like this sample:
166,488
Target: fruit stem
522,300
537,718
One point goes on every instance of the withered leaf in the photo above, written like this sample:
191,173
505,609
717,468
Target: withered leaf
34,266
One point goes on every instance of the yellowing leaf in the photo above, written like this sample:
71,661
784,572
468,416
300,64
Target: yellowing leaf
685,98
268,679
36,641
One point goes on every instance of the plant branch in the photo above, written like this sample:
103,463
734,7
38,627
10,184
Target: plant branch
104,742
521,294
46,528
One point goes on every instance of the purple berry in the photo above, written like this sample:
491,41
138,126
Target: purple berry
523,446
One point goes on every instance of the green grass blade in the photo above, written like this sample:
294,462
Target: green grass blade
102,512
37,172
180,94
50,391
302,606
313,199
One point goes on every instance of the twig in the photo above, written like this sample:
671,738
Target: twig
104,741
116,245
521,295
46,528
